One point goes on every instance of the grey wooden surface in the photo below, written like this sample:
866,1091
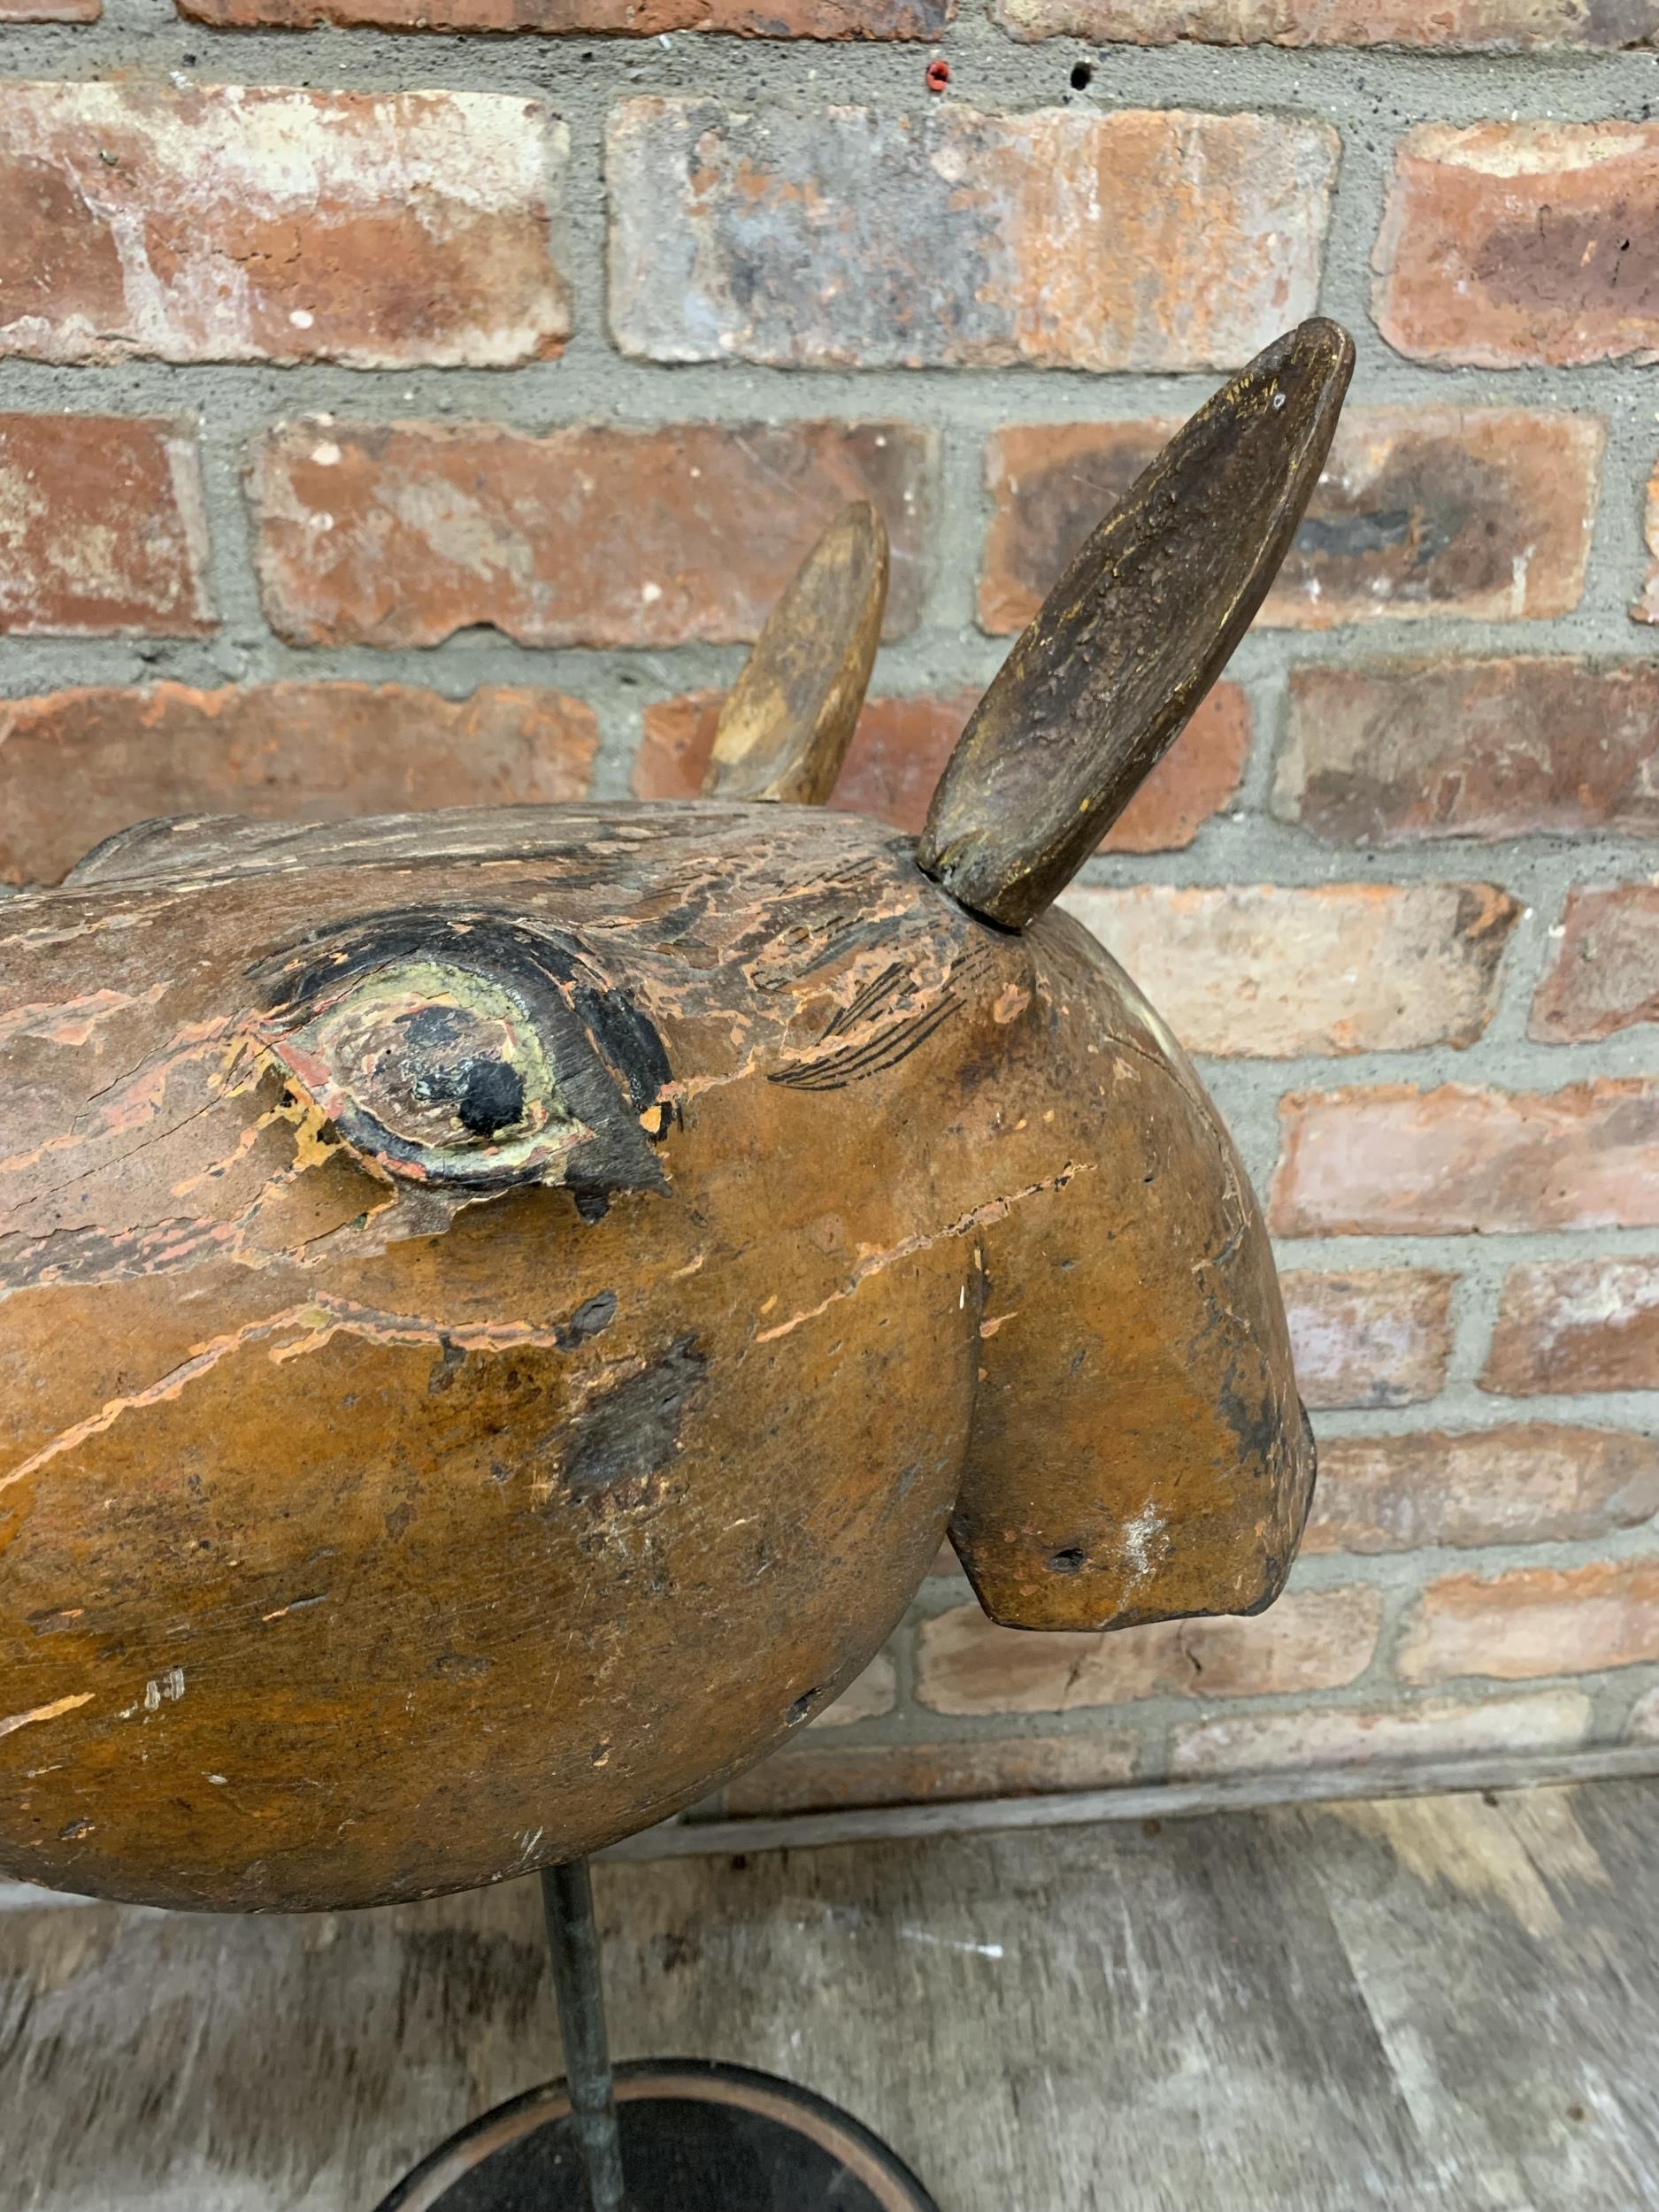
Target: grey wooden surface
1442,2005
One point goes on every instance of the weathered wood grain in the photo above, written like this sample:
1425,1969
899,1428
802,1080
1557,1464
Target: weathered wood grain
787,721
1450,2005
1134,634
498,1310
398,1490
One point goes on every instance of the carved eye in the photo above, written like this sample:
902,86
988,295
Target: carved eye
470,1050
433,1067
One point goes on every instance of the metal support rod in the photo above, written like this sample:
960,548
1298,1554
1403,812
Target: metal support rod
567,1892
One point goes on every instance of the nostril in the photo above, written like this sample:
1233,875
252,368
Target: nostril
1070,1562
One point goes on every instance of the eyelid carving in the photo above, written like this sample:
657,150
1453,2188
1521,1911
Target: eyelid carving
437,1072
467,1049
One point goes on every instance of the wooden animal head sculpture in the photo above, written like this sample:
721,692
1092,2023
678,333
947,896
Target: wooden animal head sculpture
497,1310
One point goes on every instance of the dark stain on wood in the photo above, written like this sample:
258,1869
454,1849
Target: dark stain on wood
631,1432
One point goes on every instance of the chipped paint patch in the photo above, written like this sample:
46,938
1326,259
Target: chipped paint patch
1141,1535
76,1021
170,1685
306,1329
45,1712
874,1263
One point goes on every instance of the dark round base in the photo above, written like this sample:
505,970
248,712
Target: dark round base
696,2137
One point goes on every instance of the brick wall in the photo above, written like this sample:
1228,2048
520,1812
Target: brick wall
393,415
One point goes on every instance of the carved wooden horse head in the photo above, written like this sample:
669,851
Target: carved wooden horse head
498,1310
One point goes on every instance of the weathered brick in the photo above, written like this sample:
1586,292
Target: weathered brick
1605,976
1263,973
1313,1640
900,746
238,223
866,238
1484,513
594,19
1646,608
1535,1621
399,534
102,527
1576,1326
50,11
1440,1728
1643,1724
1394,1159
1461,27
1392,754
1529,1483
811,1779
1379,1337
1508,245
291,751
876,1692
897,754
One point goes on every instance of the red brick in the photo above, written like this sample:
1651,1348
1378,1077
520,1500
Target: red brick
813,1779
1605,977
1340,1736
1509,245
102,527
900,746
898,752
50,11
1575,1325
1532,1483
1393,754
1396,1160
1646,608
606,19
403,533
1537,1621
1463,26
237,223
1484,513
1376,1338
941,237
290,752
1262,973
876,1692
1313,1640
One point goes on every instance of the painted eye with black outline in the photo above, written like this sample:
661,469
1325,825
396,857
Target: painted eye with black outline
468,1050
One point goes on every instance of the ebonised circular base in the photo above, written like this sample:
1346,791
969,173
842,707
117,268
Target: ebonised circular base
696,2137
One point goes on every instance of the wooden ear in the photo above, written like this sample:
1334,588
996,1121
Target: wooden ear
787,723
1133,635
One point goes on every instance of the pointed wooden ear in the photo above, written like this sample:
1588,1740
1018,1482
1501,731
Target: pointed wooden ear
786,722
1133,635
